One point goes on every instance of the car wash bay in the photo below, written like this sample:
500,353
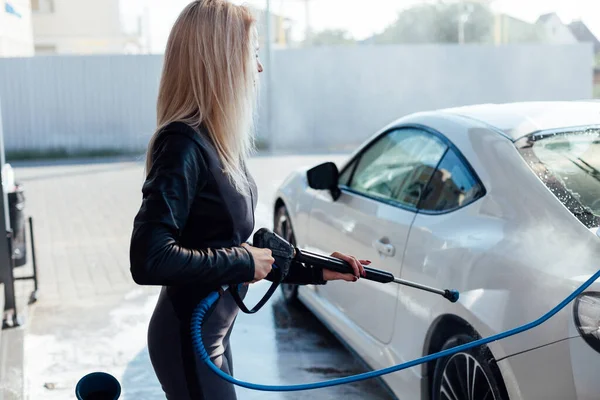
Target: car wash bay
90,315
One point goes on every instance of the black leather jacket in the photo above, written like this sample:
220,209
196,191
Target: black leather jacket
188,232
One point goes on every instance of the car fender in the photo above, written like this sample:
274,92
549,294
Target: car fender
297,197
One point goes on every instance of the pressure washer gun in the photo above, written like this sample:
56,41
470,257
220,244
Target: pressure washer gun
285,255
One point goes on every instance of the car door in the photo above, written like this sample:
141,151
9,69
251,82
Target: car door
440,248
371,220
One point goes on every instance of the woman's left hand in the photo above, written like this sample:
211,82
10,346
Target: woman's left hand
356,264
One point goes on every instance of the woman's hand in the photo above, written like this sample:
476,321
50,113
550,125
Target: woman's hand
263,261
357,266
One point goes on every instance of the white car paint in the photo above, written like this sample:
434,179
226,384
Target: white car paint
514,254
353,223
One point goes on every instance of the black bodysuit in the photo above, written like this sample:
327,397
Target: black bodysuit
187,238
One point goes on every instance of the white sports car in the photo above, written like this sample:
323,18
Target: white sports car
501,202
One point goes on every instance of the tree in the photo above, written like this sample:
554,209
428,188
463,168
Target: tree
440,23
331,37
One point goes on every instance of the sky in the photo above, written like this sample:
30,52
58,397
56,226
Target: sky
360,18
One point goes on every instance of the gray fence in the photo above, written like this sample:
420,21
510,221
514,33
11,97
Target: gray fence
323,98
79,103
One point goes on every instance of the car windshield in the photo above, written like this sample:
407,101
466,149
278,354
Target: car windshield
569,165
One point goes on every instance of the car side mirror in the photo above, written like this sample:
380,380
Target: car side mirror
325,177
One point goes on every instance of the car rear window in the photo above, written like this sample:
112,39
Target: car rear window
452,186
569,165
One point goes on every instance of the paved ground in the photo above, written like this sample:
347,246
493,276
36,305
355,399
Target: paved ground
91,316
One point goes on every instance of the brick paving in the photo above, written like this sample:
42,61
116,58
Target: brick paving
82,217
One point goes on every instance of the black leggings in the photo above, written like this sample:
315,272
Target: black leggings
181,373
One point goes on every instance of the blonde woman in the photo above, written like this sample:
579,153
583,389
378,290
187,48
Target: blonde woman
197,213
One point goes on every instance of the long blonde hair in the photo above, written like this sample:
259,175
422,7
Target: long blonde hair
209,79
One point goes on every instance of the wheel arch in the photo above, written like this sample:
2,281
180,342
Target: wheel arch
442,328
282,201
279,202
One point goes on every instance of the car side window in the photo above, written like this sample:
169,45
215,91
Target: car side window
347,174
398,166
452,186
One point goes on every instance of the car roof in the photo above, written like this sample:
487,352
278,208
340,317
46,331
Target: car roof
515,120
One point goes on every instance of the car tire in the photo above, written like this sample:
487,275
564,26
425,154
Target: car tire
471,374
283,227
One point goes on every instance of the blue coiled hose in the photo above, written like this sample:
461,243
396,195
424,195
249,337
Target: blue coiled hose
207,303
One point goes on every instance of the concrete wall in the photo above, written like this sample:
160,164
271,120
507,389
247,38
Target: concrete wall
323,98
16,35
338,97
79,102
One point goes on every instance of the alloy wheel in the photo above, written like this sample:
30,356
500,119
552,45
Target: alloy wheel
465,379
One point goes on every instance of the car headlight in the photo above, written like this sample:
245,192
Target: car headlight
586,311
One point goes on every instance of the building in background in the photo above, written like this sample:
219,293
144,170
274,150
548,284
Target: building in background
583,34
508,29
555,31
16,36
547,29
81,27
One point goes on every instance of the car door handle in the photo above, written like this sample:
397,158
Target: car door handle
384,247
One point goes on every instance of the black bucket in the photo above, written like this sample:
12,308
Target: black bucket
98,386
